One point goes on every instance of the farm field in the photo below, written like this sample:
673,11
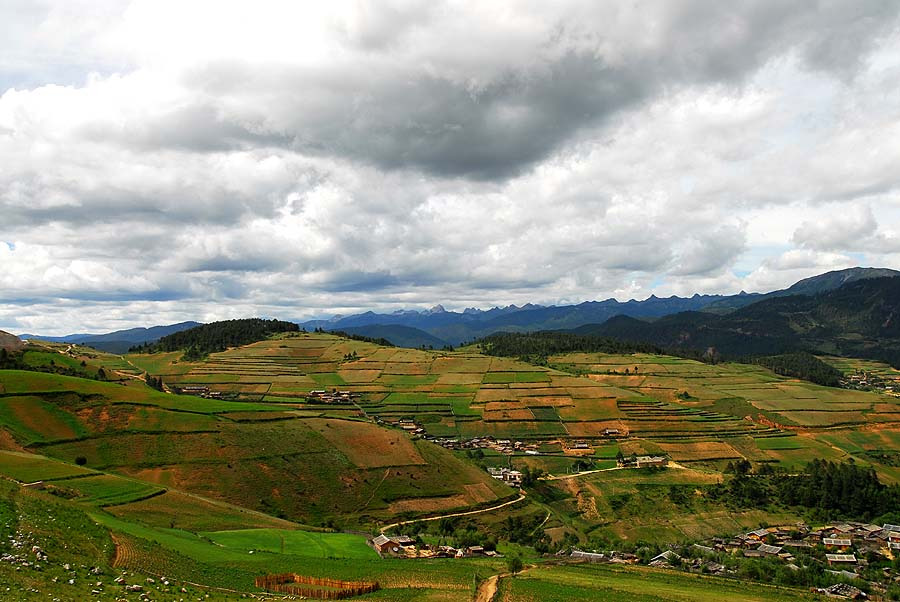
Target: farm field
849,365
465,394
304,466
216,491
684,401
602,582
30,468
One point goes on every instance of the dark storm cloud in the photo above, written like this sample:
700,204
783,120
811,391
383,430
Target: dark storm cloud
402,116
318,158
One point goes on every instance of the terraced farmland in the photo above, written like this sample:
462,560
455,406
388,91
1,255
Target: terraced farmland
459,394
659,404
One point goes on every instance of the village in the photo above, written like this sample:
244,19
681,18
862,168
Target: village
862,380
843,550
403,546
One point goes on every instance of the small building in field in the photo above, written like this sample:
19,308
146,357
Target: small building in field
383,544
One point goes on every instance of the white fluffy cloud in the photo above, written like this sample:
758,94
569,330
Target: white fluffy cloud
164,161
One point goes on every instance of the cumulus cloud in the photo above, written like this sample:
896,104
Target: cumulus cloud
212,160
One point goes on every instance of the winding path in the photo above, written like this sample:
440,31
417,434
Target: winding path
469,513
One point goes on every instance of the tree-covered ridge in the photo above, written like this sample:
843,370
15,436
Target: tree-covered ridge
218,336
830,490
537,346
802,365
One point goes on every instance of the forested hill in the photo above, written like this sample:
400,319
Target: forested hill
536,347
802,365
218,336
859,319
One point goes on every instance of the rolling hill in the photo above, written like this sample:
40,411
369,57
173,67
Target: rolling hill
216,489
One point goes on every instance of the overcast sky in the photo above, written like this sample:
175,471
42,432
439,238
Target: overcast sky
163,161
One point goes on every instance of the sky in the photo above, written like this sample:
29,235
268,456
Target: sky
163,161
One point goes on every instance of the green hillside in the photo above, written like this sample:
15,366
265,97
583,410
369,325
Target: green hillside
298,464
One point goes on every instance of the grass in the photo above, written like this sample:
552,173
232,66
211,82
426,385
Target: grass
175,509
295,543
25,382
109,490
32,420
604,582
30,468
780,443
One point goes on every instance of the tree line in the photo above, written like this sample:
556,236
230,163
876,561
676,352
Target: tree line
536,347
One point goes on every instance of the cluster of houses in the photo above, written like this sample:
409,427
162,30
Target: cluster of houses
402,546
845,544
333,396
642,462
504,446
868,381
507,475
198,390
843,547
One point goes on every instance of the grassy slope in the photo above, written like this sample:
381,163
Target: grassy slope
306,469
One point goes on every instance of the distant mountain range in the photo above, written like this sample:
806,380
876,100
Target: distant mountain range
119,341
437,327
860,319
453,328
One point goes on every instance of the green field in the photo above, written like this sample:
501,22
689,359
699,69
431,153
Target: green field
110,490
602,582
30,468
294,543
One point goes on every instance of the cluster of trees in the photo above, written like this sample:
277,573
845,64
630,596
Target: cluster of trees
202,340
525,530
154,382
830,490
840,489
9,361
801,365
